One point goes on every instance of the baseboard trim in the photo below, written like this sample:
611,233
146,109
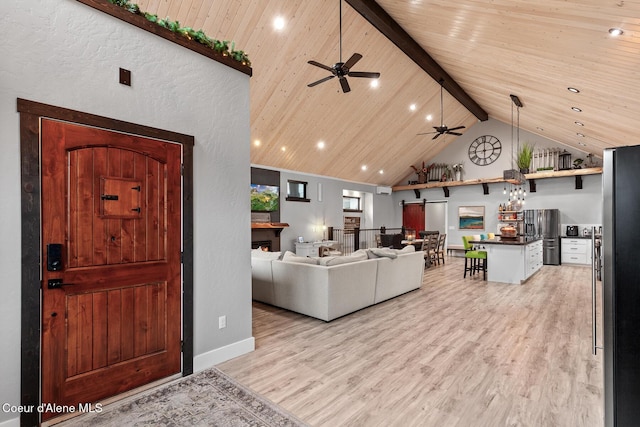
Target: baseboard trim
222,354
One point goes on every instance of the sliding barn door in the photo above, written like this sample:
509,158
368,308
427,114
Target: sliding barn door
413,216
111,206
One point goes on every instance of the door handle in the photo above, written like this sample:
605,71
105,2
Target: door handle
594,325
56,284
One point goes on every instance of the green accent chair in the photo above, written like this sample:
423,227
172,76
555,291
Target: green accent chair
477,259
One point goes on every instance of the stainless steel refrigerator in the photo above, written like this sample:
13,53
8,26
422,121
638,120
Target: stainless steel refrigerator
621,286
545,224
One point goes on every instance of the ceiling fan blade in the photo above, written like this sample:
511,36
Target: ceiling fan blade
317,64
345,85
425,133
453,133
352,61
365,74
457,127
320,81
436,135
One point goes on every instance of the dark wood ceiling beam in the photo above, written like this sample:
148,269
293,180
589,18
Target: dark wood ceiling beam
381,20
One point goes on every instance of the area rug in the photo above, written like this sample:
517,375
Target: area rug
208,398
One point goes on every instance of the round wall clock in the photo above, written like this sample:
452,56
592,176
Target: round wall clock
484,150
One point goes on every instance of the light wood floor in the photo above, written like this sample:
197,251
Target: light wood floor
457,352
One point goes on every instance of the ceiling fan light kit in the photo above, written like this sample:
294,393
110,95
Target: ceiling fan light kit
343,69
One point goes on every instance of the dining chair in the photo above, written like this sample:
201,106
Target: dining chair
386,240
429,242
440,251
396,241
477,259
433,248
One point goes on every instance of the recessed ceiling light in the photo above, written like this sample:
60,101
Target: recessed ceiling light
374,83
581,135
429,117
579,123
573,89
284,149
364,167
576,109
320,145
582,143
381,172
257,143
539,128
412,107
278,23
615,32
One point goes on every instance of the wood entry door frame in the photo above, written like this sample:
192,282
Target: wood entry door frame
31,114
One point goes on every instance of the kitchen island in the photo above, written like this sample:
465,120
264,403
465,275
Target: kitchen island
511,260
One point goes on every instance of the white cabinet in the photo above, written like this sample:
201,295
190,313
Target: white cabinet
576,251
312,248
307,249
513,263
533,255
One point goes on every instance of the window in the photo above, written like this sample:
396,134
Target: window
351,204
297,191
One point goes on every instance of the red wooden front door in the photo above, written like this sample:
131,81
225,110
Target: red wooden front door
413,216
111,309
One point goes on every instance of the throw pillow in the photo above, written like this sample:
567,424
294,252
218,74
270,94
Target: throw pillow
359,255
291,257
408,248
361,252
382,252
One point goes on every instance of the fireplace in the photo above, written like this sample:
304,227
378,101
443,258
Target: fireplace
267,234
261,244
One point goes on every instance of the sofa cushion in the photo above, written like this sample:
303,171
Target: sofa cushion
291,257
359,255
382,252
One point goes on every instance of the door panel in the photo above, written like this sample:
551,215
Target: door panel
413,216
113,201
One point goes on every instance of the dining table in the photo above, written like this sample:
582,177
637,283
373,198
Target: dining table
415,242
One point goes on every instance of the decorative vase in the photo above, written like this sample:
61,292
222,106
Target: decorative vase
458,176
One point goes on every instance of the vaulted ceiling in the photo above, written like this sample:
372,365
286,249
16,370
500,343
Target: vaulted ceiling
490,48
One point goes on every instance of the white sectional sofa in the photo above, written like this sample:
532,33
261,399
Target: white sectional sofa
340,286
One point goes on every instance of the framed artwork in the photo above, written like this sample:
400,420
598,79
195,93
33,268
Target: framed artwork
471,217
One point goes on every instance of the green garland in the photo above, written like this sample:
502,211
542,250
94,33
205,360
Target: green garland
220,46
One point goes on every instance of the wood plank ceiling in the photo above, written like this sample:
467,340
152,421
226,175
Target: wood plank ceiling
491,48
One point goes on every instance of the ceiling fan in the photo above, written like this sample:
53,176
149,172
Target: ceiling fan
442,129
343,69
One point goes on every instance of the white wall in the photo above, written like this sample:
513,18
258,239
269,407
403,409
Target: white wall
63,53
458,151
576,206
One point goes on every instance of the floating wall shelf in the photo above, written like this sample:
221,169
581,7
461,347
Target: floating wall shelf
578,173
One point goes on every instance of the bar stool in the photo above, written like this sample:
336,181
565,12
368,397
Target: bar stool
478,259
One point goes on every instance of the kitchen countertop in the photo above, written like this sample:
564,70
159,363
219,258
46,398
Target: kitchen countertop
579,237
518,241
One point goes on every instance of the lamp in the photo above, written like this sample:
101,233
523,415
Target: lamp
514,174
515,177
564,160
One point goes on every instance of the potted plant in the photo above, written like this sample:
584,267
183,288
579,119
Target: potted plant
525,154
457,169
